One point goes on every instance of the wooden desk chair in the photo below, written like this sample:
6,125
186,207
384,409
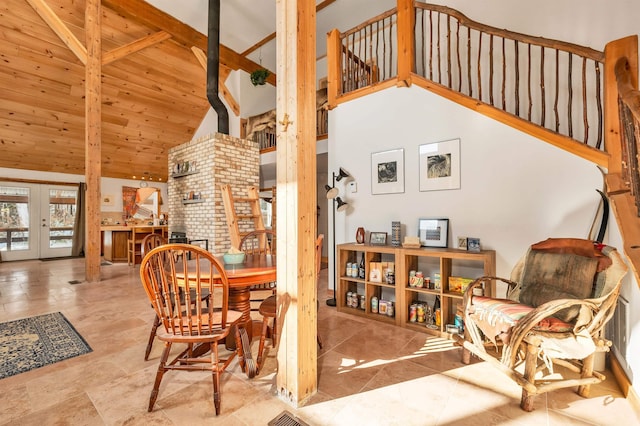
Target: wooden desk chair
561,294
268,310
262,241
150,242
198,319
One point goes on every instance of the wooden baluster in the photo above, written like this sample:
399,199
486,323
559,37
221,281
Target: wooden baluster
504,76
542,89
570,97
469,61
458,56
449,52
431,45
479,65
517,70
491,70
529,81
555,103
438,50
599,105
585,119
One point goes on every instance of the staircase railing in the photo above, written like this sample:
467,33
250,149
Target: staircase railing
580,99
553,87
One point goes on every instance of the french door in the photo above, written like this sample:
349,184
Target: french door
36,220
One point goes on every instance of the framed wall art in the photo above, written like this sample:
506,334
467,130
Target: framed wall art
440,165
387,172
433,232
108,200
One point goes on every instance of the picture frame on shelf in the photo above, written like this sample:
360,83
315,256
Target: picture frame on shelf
462,243
439,165
473,244
387,172
433,232
378,238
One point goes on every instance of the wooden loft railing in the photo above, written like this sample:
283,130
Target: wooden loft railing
261,128
559,92
546,87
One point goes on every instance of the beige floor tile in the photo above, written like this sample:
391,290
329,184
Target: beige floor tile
368,372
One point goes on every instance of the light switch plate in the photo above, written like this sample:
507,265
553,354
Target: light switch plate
353,187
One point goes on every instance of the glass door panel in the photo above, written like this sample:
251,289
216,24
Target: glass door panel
18,241
57,221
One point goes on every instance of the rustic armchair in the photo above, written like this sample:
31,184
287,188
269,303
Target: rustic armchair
545,335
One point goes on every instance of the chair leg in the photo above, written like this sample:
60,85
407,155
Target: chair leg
159,374
239,349
466,356
215,377
152,336
263,337
530,368
587,371
274,332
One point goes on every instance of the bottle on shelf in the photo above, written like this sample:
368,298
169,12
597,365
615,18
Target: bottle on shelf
436,311
361,268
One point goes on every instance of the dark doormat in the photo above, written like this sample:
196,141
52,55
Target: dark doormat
287,419
48,259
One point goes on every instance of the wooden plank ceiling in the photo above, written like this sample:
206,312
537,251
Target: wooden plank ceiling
153,98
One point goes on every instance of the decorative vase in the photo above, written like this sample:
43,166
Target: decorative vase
395,234
360,235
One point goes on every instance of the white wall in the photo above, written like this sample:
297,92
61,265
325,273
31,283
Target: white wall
515,189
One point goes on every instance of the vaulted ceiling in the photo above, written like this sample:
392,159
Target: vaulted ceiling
153,84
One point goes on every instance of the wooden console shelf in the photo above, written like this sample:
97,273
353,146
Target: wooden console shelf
431,261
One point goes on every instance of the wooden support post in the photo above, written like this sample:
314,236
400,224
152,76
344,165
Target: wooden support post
93,140
406,46
296,209
334,68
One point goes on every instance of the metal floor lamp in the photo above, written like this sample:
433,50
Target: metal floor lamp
338,205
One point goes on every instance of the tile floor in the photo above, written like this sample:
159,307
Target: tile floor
368,373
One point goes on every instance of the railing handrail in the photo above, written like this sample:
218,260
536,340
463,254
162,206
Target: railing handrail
583,51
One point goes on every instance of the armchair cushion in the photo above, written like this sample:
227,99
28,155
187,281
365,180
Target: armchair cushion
550,275
496,317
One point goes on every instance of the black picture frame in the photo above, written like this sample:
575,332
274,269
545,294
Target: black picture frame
433,232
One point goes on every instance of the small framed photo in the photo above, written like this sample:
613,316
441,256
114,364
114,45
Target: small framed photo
473,244
387,172
462,243
378,238
433,232
108,200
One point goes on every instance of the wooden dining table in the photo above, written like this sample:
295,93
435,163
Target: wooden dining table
256,269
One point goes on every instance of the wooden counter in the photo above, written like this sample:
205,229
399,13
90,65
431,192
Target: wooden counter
115,240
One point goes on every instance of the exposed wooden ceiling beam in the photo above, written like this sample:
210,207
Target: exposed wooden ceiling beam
135,46
60,29
182,33
272,36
